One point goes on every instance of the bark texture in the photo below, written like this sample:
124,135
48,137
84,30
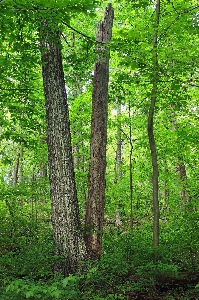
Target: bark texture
69,242
96,190
151,131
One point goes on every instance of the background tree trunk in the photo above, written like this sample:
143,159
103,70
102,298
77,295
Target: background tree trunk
118,158
130,167
68,237
180,168
96,190
16,170
151,131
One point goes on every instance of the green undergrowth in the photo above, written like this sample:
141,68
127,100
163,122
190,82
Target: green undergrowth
129,265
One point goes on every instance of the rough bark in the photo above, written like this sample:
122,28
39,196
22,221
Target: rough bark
69,243
96,190
151,131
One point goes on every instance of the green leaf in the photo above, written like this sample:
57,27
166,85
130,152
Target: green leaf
29,294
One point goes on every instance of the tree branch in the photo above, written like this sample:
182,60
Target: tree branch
79,32
178,16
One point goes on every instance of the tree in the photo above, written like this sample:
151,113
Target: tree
118,158
96,190
27,235
151,130
68,237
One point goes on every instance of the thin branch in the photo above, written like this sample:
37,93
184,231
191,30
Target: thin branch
175,9
125,134
79,32
62,35
16,89
178,16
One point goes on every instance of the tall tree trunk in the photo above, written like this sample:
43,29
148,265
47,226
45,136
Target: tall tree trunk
18,170
166,190
180,168
118,158
130,168
96,190
151,131
69,242
43,167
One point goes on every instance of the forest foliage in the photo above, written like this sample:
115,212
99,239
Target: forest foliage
127,268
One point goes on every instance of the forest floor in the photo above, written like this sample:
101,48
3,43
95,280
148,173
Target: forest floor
174,277
127,269
182,287
166,288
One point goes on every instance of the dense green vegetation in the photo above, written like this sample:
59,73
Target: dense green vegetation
130,266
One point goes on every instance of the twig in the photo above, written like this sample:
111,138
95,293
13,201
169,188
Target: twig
79,32
178,16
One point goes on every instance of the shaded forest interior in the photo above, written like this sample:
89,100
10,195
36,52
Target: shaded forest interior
99,163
